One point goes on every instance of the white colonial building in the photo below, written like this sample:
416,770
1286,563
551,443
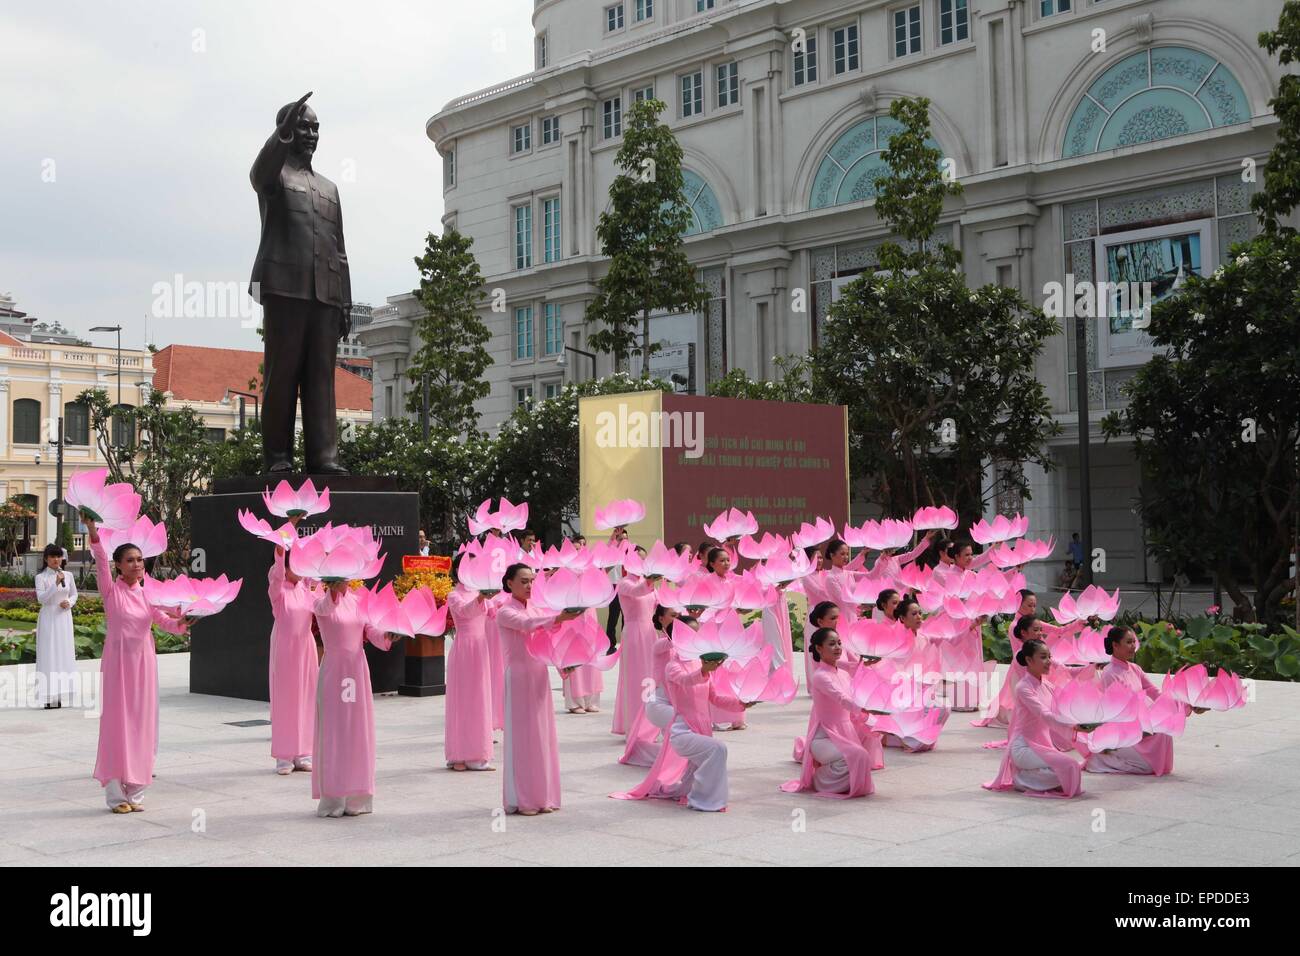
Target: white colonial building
1097,138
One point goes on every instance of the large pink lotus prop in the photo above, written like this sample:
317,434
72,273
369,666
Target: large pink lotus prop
193,597
809,535
944,627
1022,552
1113,736
508,518
285,536
1000,529
923,724
731,524
110,506
567,555
872,692
567,590
980,605
659,562
782,569
878,639
414,615
337,553
608,554
150,538
707,591
288,503
1092,601
1164,715
934,519
1193,686
619,514
769,546
884,535
916,577
755,681
865,588
575,643
724,638
750,594
1083,702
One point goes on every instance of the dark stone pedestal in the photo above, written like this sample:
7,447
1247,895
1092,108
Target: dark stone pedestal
425,668
230,652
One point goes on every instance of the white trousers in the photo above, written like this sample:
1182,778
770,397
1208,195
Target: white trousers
1123,760
1032,772
345,806
571,702
705,782
832,774
115,794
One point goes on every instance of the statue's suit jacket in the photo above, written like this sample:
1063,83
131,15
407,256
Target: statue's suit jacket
301,253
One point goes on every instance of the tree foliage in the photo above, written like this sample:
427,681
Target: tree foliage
452,356
1282,172
642,236
938,377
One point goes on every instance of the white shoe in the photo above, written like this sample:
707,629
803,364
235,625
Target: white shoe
284,767
302,763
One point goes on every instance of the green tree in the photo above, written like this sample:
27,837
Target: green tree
14,515
164,454
1215,420
938,377
642,236
452,356
794,384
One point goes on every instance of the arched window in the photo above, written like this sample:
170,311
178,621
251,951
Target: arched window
123,427
27,421
76,424
1156,94
849,169
706,214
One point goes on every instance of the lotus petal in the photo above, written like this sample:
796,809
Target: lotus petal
619,514
567,590
1001,528
288,503
150,538
809,535
879,639
1113,736
109,506
941,518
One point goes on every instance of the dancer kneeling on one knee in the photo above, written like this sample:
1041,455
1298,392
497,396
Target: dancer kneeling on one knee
1036,761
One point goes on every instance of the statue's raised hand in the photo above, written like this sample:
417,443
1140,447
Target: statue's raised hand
291,118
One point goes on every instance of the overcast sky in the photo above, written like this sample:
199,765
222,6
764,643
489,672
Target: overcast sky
126,140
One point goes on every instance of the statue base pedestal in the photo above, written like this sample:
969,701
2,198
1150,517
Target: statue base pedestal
426,673
230,652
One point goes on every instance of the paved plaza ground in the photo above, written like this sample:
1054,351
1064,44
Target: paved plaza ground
1234,798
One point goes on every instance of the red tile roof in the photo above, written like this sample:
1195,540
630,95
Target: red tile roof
198,374
7,339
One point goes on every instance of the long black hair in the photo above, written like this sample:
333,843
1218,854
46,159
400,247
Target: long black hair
660,610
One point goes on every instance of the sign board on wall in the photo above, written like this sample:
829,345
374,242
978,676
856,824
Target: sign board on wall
689,457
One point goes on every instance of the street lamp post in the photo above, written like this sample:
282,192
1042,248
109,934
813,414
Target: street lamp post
118,330
561,359
1085,473
257,416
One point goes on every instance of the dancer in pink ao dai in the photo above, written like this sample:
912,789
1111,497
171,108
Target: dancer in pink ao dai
835,762
343,768
498,661
531,762
294,668
654,717
1035,761
467,737
128,722
637,598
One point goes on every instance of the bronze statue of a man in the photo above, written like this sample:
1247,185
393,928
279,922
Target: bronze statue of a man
301,279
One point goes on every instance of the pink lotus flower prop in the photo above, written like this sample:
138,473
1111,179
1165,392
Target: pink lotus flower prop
659,562
193,597
150,538
1022,552
980,605
878,639
337,553
508,518
1092,601
575,643
750,594
1084,702
609,555
769,546
809,535
724,636
110,506
865,588
567,590
705,591
884,535
782,569
1113,736
619,514
1164,715
425,615
1194,686
1091,644
917,578
286,536
731,524
944,627
930,519
923,724
567,555
754,681
870,691
287,503
1000,529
